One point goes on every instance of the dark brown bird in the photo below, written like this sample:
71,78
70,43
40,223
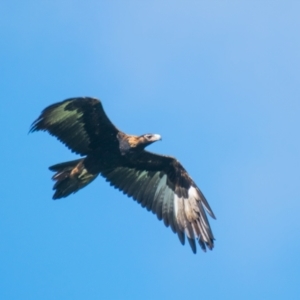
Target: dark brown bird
157,182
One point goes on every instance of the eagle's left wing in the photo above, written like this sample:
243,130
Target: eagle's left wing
162,185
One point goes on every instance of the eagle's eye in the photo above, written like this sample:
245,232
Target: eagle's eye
148,136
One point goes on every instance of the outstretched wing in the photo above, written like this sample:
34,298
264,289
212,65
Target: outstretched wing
162,185
80,123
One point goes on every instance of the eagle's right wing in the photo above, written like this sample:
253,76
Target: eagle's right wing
80,123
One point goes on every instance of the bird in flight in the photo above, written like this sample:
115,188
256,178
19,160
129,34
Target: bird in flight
158,182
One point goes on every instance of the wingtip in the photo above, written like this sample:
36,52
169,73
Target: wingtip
35,125
32,128
212,215
56,196
192,243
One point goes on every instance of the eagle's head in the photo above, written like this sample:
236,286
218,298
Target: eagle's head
133,143
147,139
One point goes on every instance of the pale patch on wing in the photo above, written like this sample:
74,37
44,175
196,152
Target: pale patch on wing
192,220
59,113
62,118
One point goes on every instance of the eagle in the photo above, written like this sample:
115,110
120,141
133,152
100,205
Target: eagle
158,182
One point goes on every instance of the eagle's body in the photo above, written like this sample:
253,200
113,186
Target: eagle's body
157,182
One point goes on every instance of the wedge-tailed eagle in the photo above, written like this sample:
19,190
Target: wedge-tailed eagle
158,182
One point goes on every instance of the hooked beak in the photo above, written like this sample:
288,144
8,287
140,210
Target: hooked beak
157,137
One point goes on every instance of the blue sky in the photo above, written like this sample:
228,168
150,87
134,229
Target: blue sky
219,80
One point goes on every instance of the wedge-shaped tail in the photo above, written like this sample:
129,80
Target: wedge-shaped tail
70,177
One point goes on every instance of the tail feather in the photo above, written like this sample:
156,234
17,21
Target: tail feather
70,177
68,164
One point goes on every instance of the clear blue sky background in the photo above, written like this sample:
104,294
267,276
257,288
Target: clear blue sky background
219,80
